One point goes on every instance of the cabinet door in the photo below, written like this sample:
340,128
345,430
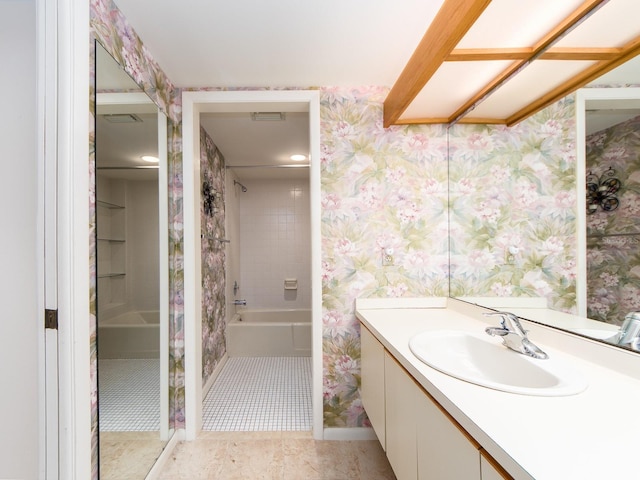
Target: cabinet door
444,451
372,381
491,470
401,395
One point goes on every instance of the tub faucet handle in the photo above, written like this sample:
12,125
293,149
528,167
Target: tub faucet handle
240,302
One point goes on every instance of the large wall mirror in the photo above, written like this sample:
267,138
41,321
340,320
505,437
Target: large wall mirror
132,274
597,243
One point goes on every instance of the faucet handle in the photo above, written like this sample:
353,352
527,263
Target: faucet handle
509,322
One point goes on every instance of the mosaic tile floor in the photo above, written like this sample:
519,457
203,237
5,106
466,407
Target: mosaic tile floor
260,394
129,395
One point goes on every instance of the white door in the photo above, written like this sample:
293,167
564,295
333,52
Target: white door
22,355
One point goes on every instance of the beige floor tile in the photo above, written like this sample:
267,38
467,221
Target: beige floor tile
275,456
128,455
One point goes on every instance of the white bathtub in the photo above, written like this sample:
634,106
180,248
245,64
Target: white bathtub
270,333
130,335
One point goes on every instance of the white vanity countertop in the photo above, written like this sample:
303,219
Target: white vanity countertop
592,435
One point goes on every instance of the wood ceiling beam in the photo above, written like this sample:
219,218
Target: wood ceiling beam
564,27
436,120
492,54
629,51
450,24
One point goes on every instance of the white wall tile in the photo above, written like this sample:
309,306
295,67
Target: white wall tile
275,243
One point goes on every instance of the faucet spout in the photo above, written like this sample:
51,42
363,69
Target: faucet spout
514,336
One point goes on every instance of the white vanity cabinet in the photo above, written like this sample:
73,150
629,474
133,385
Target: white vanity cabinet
372,391
422,441
401,396
445,451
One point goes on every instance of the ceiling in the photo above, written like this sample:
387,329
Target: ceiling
249,43
124,131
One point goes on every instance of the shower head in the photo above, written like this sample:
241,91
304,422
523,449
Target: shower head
235,182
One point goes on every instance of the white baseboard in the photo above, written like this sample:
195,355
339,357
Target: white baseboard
154,473
359,433
214,375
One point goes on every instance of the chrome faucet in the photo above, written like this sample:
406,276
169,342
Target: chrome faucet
514,336
629,335
240,302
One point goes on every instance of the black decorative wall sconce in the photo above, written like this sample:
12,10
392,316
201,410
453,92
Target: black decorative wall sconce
602,190
209,198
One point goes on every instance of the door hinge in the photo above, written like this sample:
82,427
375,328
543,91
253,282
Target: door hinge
51,319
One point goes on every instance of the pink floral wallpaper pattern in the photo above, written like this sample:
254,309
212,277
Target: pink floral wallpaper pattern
381,189
512,208
613,256
212,217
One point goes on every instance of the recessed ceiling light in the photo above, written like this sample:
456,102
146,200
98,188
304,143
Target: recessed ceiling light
298,158
150,158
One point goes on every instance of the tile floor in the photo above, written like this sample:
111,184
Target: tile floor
129,395
128,455
260,394
275,456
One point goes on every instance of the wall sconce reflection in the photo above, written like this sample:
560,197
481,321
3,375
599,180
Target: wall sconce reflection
601,191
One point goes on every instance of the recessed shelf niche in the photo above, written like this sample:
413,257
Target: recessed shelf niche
112,251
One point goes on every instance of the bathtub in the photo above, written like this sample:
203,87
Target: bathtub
129,335
270,333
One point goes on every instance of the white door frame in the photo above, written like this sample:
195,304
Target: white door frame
70,132
583,97
47,241
194,103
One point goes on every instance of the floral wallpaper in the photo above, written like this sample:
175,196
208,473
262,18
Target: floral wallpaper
381,189
512,208
212,217
613,256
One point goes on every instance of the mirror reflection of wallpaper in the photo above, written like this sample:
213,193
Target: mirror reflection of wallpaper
613,238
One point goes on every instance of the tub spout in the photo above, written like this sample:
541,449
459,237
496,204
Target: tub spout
240,302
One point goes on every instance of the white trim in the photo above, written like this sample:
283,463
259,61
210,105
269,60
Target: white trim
192,270
193,103
73,239
350,434
47,261
166,453
214,375
583,96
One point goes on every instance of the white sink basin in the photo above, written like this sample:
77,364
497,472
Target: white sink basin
483,360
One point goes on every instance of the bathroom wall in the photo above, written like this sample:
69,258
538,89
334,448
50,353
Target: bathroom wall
613,251
275,243
212,225
143,256
381,188
138,256
513,219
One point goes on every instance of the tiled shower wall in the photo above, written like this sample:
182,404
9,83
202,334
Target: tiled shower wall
275,243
